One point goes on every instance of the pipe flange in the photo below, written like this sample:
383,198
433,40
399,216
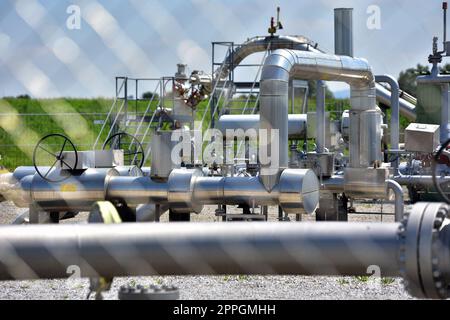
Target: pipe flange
181,190
419,250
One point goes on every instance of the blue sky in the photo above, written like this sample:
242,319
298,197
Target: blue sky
40,56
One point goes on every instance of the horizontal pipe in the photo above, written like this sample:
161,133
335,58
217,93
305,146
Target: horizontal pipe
136,190
130,249
297,124
233,190
424,180
407,108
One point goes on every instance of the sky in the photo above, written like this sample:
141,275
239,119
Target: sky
44,56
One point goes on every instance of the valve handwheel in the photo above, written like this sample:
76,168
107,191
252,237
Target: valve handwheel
52,149
439,158
133,151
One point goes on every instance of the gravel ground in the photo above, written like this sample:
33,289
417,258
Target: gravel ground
219,287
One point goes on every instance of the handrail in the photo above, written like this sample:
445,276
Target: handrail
257,98
213,91
115,120
256,77
104,123
146,132
145,112
109,114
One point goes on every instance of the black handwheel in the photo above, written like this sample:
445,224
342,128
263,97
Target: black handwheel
50,149
434,163
133,152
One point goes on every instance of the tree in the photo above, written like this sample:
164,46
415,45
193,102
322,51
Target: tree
312,90
407,78
148,95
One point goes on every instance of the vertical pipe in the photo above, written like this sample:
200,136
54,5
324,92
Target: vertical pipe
444,8
398,192
343,31
395,112
444,128
125,92
320,116
273,118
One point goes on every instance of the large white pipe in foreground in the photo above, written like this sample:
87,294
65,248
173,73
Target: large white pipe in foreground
417,249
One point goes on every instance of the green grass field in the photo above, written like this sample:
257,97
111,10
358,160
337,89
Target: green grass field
24,121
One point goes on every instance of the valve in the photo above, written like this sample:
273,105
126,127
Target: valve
134,155
54,146
275,26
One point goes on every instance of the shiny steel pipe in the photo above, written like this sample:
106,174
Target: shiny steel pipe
131,249
261,44
76,193
297,191
398,193
297,124
320,116
136,190
420,180
282,65
417,249
395,113
406,105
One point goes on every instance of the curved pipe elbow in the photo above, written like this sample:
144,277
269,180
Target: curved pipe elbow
398,193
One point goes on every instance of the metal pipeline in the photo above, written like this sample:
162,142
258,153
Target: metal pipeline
282,65
398,193
417,249
261,44
406,101
188,191
423,180
320,116
395,113
297,124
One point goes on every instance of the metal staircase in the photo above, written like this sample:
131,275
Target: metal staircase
138,122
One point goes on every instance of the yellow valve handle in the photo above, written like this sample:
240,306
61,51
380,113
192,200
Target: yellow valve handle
108,214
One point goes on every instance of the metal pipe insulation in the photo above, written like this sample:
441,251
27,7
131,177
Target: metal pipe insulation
198,248
296,192
417,249
422,180
398,193
395,113
282,65
297,124
406,102
262,44
187,191
343,31
320,116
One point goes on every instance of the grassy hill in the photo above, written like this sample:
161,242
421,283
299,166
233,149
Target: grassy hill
24,121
